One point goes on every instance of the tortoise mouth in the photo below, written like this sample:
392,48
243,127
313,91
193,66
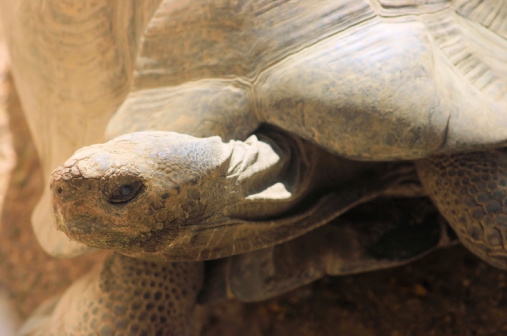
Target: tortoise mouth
93,231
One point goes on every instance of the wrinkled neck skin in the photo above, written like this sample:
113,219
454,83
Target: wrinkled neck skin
195,198
265,177
272,172
256,180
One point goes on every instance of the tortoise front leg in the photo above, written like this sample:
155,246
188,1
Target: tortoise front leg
470,190
124,296
377,235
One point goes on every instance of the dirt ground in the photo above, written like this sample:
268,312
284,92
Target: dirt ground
449,292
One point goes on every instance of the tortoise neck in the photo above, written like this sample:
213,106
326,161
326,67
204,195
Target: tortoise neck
269,172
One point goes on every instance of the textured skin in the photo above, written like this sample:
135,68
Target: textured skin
124,296
201,199
471,192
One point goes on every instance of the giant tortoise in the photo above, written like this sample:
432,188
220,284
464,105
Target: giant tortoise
421,82
346,85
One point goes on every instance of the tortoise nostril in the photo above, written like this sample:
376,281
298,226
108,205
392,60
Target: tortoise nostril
59,190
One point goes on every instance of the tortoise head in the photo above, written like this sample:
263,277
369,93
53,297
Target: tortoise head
164,196
136,191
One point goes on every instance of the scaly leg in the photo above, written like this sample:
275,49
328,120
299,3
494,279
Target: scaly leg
124,296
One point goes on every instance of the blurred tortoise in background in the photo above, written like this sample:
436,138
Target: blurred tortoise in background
364,80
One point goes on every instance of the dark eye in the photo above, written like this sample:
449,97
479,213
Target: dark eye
125,192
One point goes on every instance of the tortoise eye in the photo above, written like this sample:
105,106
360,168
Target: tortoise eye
125,192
